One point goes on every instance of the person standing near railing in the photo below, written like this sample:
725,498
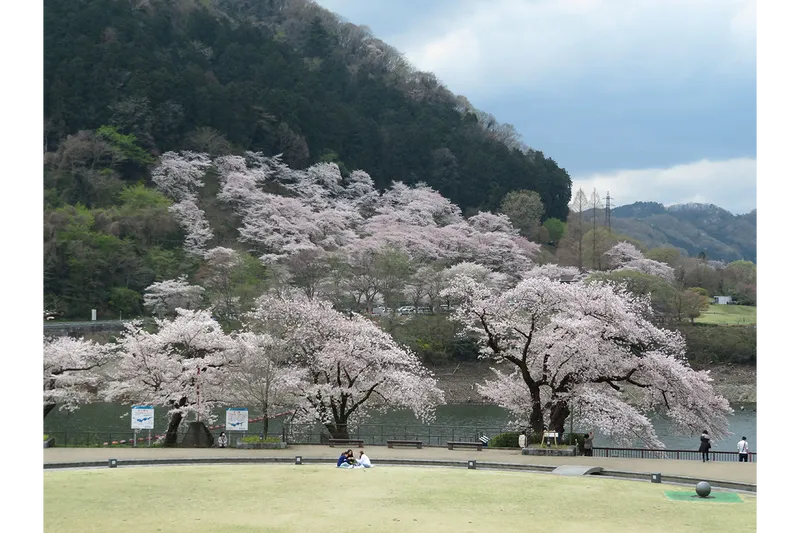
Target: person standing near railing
705,445
588,445
744,449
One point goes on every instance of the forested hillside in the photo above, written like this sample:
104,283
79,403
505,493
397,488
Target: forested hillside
274,76
692,228
129,80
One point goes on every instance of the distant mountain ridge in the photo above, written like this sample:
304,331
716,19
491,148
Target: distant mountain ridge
692,228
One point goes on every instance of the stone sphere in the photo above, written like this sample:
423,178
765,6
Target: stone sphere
703,489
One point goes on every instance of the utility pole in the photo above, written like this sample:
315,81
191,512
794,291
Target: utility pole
608,210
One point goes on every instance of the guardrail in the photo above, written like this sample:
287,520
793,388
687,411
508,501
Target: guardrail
378,434
373,435
681,455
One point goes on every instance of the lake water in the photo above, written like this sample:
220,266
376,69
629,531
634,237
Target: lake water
106,422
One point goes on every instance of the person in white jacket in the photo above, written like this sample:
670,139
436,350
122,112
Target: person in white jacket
363,460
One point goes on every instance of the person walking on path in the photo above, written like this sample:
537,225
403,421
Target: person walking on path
744,450
588,445
705,445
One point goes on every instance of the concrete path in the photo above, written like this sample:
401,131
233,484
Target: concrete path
722,471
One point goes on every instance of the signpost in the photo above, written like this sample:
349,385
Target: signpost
142,417
549,437
236,420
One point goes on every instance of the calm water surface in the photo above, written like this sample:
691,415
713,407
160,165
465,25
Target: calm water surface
114,419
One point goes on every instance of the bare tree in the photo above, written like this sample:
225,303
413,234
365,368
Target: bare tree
577,207
595,204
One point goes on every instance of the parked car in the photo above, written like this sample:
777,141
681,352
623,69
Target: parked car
407,310
424,311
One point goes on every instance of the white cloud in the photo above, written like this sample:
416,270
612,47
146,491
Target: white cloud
729,184
549,42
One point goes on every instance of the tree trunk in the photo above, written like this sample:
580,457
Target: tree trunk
536,420
266,424
47,408
338,430
558,417
172,431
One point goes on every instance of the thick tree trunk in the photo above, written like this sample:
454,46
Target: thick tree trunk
558,417
536,420
338,430
47,408
266,424
172,431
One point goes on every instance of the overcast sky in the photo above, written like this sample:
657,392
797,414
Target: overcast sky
651,100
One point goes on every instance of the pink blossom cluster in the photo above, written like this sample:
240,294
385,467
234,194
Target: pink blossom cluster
585,348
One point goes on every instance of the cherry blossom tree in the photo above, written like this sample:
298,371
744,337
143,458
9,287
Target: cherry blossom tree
326,212
179,176
164,297
350,366
588,348
193,221
72,371
281,225
180,366
259,375
552,271
625,256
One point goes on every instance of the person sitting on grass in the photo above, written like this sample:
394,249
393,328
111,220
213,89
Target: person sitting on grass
350,459
363,460
343,461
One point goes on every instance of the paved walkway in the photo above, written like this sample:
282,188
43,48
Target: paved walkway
720,471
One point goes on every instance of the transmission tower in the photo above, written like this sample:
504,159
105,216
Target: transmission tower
608,210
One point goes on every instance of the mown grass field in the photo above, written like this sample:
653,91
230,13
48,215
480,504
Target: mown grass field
728,315
283,498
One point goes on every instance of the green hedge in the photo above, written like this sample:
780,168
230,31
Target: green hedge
254,439
720,344
510,439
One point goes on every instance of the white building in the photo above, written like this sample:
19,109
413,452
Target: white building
722,300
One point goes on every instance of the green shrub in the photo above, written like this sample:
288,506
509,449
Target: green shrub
720,344
509,439
572,438
46,437
255,439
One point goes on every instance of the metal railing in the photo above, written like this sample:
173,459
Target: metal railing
378,434
374,435
681,455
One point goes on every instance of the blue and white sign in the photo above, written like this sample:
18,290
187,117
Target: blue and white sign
143,417
236,419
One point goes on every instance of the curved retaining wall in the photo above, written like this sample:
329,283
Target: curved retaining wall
480,465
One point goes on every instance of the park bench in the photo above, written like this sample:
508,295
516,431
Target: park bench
456,444
353,442
393,443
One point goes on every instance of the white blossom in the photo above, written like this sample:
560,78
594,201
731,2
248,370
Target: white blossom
164,297
588,348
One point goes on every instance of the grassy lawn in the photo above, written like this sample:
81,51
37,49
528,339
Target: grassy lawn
283,498
728,315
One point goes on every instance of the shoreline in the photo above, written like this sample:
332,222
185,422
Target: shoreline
737,383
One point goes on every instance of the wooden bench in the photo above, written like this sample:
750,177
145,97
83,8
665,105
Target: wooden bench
353,442
393,443
454,444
